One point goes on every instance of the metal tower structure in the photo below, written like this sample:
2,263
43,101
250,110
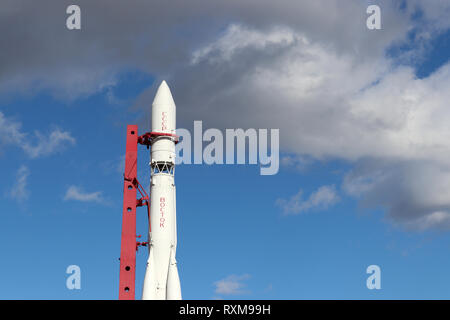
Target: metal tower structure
131,188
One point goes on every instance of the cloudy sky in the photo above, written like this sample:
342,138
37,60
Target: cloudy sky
363,117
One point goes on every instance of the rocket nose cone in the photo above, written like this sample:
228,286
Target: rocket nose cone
163,95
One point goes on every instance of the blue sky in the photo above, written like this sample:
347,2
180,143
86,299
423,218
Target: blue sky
236,228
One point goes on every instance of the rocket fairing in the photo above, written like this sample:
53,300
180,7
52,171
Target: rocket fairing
161,280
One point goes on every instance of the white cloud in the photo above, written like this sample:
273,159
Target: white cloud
46,145
359,184
38,146
232,285
296,161
321,199
77,194
334,104
369,110
19,191
238,38
268,288
10,131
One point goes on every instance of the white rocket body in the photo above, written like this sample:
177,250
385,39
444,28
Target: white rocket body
161,280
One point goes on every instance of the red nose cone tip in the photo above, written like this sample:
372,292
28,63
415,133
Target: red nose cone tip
163,95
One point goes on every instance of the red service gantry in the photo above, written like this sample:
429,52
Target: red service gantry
131,186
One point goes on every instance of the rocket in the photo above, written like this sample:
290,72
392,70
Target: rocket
161,280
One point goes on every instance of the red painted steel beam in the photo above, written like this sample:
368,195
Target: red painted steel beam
128,242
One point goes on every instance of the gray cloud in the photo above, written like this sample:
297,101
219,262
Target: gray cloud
38,52
416,194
